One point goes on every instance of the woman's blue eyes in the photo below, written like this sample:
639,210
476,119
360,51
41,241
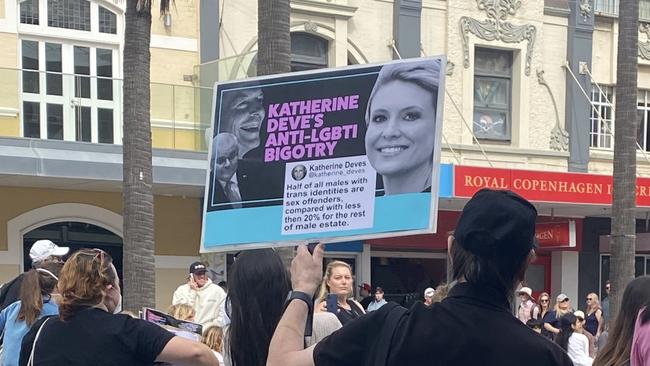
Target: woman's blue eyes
379,118
408,116
411,116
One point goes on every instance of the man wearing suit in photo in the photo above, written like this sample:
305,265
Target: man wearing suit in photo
227,160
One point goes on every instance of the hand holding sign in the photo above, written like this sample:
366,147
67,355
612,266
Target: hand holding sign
307,269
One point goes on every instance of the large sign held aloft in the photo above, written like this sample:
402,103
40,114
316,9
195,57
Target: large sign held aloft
331,155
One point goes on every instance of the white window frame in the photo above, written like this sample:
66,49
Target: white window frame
604,137
643,105
68,38
606,7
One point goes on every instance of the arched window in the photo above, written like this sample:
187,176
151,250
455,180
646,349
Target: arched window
69,91
308,52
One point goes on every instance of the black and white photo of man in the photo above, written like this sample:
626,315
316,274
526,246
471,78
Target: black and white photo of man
242,114
227,159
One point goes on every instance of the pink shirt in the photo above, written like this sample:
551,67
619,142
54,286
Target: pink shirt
524,311
640,355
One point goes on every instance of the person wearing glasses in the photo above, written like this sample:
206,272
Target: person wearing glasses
561,308
544,308
594,318
528,309
226,185
605,303
88,330
573,341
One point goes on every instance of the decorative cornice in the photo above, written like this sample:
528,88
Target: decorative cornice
324,8
496,28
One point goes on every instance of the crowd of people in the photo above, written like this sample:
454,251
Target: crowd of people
69,313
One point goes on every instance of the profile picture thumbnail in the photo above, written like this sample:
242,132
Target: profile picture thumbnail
299,172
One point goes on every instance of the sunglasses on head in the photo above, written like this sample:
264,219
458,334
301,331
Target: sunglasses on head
95,252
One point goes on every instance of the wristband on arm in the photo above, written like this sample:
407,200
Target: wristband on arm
297,295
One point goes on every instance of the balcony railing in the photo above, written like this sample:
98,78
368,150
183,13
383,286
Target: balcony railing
52,105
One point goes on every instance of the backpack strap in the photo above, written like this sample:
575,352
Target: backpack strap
395,314
30,362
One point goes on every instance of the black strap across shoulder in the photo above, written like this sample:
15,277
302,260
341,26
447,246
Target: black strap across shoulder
395,314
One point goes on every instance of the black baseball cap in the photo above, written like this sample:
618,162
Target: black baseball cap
198,267
497,222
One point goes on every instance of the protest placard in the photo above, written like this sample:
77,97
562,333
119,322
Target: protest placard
181,328
331,155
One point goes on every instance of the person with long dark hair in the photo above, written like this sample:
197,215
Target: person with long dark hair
258,285
492,246
35,301
617,350
572,341
640,354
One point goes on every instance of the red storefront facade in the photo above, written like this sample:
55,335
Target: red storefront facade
563,201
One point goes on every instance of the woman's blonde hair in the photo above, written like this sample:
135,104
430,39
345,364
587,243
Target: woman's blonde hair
324,289
84,280
213,338
559,312
595,302
182,312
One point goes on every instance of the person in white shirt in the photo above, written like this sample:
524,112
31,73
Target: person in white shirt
203,295
528,309
572,341
428,296
379,300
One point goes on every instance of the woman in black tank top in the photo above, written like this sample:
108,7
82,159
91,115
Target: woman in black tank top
338,281
345,315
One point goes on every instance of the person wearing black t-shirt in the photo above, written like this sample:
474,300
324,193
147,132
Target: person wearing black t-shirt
493,244
86,332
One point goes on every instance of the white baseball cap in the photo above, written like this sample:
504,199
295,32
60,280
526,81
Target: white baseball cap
526,290
429,292
43,249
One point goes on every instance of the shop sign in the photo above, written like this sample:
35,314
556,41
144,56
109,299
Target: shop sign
544,186
556,234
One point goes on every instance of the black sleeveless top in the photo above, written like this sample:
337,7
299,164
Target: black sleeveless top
346,315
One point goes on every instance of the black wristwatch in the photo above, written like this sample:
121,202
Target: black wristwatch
298,295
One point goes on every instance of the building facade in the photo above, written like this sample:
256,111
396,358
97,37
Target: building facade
530,88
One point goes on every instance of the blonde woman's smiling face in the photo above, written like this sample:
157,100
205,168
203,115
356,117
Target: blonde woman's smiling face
401,130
